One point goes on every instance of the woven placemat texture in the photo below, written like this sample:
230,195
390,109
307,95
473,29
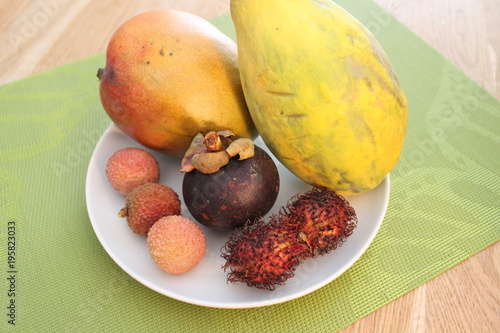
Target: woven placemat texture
443,206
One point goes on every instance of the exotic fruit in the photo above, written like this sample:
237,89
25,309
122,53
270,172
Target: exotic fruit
130,167
146,204
324,220
170,75
321,92
263,255
228,182
176,244
266,254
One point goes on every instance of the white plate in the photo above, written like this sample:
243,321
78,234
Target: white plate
206,284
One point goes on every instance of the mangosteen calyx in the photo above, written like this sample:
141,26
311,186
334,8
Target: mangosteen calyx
208,153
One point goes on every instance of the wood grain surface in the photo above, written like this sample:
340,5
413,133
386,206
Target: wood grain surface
38,35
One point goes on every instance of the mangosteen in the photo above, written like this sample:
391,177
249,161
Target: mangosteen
238,192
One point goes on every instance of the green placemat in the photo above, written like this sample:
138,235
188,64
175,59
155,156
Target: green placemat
58,278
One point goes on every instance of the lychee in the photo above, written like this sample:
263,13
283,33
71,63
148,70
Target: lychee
148,203
176,244
130,167
266,254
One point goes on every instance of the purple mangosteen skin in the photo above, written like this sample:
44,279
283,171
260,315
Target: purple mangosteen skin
241,191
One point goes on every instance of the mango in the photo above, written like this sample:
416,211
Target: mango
321,92
170,75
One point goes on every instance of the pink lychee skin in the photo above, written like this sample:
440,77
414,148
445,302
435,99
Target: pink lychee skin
130,167
147,203
176,244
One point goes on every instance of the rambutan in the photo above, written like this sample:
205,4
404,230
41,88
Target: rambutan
324,219
263,254
266,254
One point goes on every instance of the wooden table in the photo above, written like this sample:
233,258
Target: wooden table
39,35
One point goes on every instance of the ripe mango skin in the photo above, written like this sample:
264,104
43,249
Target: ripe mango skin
170,75
321,92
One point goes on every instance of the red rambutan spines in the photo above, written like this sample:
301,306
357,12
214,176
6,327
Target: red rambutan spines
262,255
327,219
265,255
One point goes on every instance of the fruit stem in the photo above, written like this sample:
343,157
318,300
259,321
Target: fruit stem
213,142
123,212
99,73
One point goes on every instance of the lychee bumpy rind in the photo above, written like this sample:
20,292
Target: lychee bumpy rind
130,167
176,244
147,203
266,254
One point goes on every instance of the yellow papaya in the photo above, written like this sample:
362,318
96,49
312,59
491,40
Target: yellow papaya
321,92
